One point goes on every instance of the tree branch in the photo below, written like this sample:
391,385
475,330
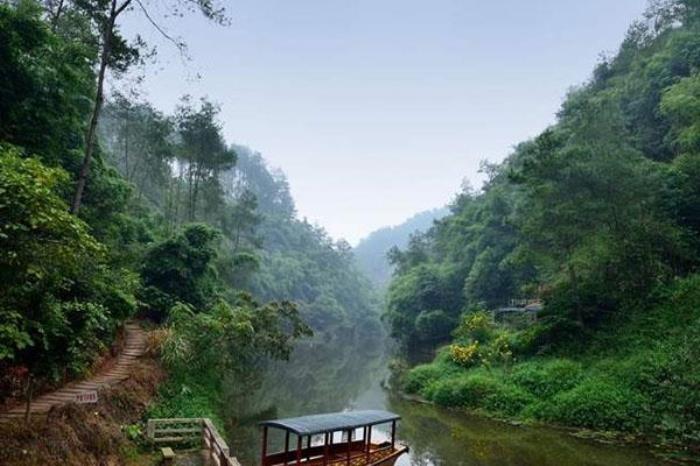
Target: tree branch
178,43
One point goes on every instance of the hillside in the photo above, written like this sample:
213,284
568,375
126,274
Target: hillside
598,218
372,252
151,215
151,267
299,261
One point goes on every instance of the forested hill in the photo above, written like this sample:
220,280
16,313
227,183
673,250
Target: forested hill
372,252
598,217
267,250
111,209
300,262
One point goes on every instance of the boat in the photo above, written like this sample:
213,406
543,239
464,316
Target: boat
333,439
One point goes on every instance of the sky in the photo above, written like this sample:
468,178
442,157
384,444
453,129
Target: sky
378,109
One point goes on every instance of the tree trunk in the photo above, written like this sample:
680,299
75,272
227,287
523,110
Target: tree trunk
28,393
97,107
577,299
195,193
56,15
126,148
190,183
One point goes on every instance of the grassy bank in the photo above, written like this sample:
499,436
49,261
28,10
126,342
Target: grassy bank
638,377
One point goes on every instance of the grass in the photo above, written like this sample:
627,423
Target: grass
187,395
641,377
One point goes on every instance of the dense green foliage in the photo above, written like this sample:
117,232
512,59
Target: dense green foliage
590,215
48,262
300,262
372,252
597,217
63,291
206,352
180,270
638,376
173,225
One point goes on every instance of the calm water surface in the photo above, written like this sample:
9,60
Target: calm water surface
320,379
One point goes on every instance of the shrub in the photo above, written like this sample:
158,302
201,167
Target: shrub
54,295
508,399
595,404
548,378
477,390
417,379
476,326
464,355
443,392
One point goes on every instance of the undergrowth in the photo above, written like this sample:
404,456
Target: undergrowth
646,382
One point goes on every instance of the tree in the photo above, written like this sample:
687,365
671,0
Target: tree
423,305
596,211
241,220
681,104
53,317
225,338
41,248
44,83
202,152
116,54
181,269
139,143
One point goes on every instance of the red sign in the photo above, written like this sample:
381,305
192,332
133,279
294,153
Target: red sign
86,397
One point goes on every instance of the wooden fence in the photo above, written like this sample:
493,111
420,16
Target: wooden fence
188,430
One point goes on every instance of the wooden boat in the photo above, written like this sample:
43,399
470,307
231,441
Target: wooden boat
333,439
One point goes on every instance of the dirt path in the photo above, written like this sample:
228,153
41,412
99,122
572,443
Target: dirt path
134,346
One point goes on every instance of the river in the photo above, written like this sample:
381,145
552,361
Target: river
321,379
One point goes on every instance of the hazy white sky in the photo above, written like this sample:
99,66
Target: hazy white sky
377,109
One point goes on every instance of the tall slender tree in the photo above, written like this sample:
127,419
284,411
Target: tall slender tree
203,151
116,53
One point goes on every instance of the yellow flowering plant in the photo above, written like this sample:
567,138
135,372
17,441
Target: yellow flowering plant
464,355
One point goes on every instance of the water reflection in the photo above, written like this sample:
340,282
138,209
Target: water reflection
439,437
321,377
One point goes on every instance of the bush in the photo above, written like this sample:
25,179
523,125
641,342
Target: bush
545,379
419,377
464,355
181,269
444,392
508,399
54,292
476,326
595,404
428,324
478,391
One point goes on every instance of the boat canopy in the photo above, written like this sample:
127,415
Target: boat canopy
332,422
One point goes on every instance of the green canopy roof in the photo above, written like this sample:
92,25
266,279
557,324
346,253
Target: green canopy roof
331,422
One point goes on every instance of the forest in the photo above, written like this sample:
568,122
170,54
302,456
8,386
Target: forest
372,252
563,292
598,219
145,215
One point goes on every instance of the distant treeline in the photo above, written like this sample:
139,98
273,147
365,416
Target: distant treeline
372,253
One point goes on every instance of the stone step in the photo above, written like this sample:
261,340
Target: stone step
134,347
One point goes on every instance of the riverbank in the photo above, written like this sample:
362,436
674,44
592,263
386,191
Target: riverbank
621,439
356,380
636,381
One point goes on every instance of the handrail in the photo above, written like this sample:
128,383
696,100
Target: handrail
179,430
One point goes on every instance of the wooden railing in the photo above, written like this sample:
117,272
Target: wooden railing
188,430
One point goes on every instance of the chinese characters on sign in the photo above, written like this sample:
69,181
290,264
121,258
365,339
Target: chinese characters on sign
86,397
